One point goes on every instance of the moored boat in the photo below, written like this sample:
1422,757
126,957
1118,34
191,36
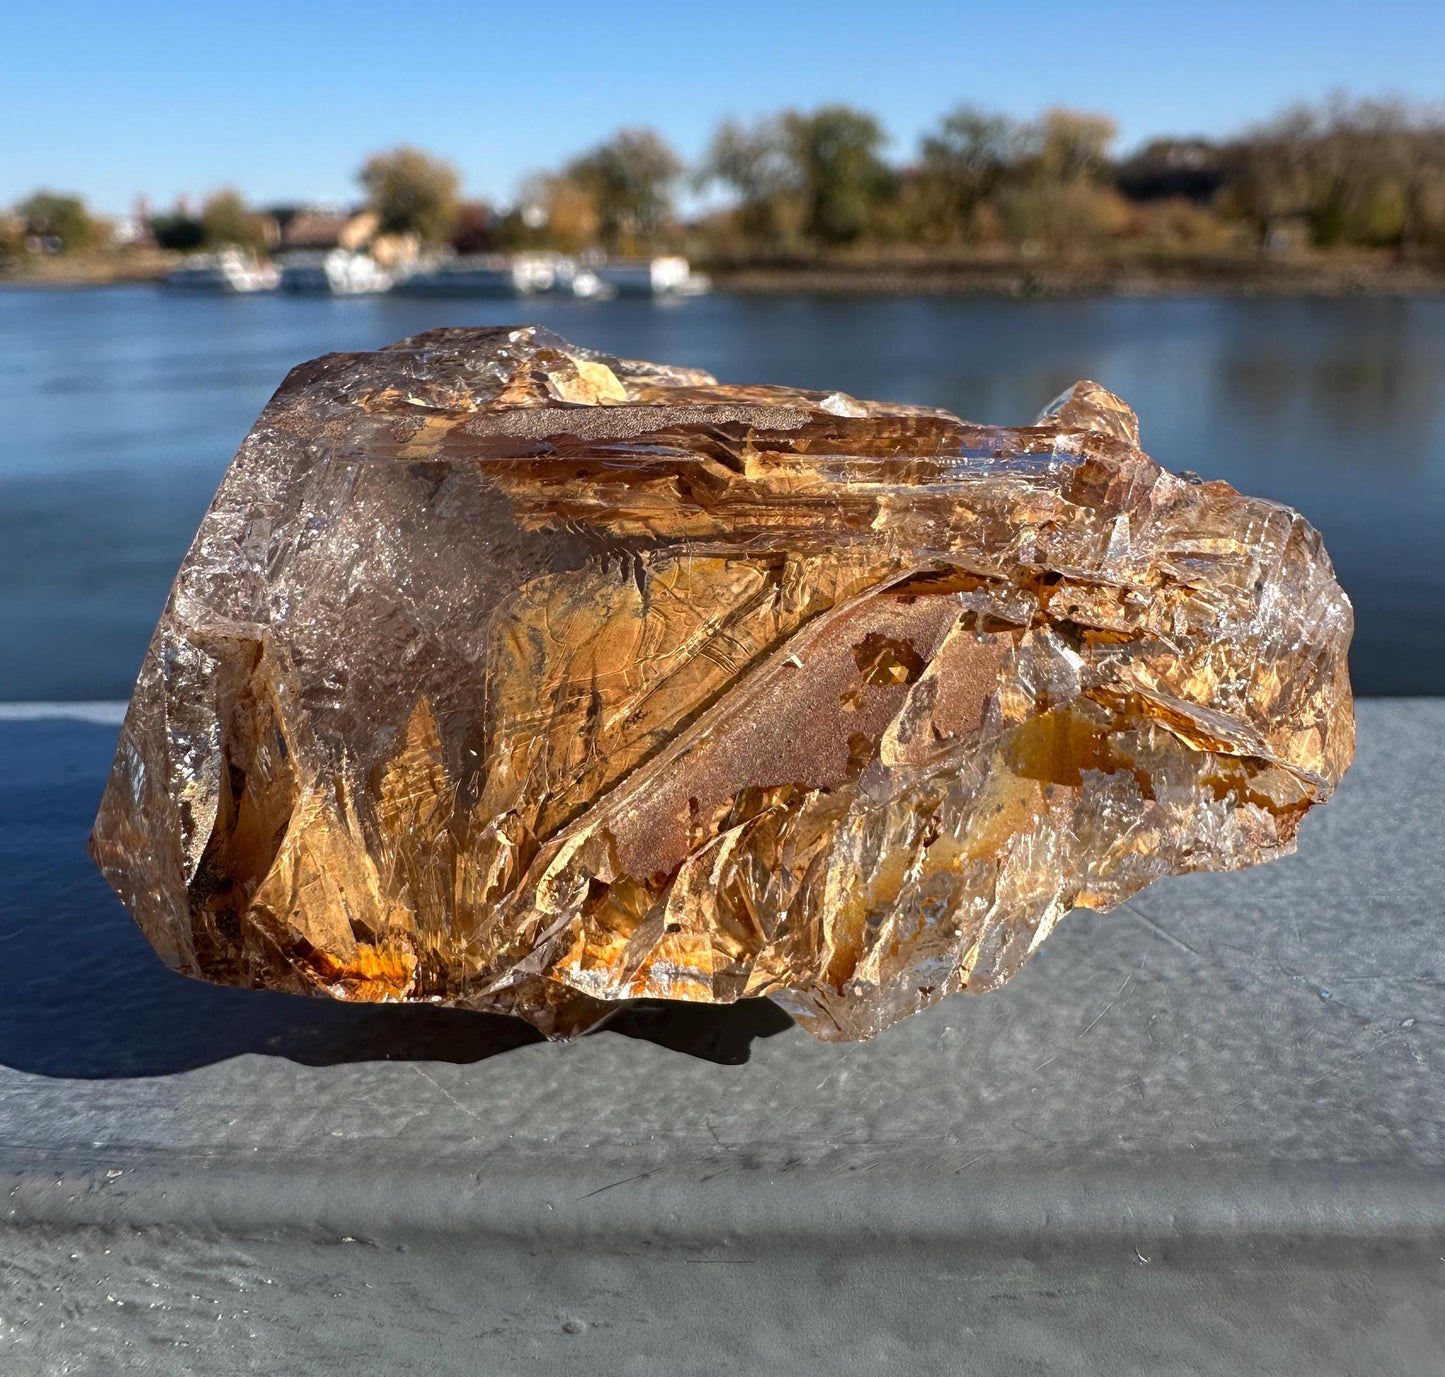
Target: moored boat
227,270
668,276
479,274
335,272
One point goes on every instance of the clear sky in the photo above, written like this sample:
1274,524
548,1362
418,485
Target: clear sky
283,100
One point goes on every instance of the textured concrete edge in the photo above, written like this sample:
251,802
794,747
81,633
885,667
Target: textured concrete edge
877,1189
104,713
718,1199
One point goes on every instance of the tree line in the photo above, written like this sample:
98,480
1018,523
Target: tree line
1346,172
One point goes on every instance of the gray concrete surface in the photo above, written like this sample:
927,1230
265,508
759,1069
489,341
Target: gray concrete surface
1202,1134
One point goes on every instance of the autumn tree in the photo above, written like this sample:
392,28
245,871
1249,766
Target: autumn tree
552,211
1066,146
1056,191
475,229
412,192
570,216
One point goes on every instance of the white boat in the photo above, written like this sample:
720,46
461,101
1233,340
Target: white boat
476,274
334,272
542,271
668,276
228,270
586,284
548,273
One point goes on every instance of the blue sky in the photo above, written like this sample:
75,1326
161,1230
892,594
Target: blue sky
284,100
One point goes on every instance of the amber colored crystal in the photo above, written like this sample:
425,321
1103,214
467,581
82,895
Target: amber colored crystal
510,675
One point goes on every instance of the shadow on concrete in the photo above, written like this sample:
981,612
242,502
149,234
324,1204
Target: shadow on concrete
112,1009
85,996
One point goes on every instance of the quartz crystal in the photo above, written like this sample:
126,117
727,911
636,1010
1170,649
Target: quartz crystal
510,675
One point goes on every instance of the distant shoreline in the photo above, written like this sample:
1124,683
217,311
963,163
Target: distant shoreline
1016,279
1008,278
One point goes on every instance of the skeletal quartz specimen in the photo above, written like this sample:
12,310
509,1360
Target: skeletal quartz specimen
510,675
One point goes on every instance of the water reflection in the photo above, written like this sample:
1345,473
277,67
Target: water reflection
1366,378
123,406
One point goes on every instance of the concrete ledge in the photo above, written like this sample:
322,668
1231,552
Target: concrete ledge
1205,1133
995,1207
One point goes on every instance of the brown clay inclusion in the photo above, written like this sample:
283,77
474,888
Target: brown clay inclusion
513,676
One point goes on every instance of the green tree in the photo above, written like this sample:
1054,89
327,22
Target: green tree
1423,175
58,215
1373,166
753,164
835,156
12,236
176,230
226,219
629,180
1269,171
412,192
964,162
1354,172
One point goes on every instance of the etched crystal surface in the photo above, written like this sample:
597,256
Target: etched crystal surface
510,675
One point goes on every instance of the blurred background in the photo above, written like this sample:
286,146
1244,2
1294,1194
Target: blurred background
1235,219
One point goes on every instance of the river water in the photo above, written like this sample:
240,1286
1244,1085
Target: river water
120,407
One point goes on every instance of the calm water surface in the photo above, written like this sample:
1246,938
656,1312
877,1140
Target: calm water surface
119,409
